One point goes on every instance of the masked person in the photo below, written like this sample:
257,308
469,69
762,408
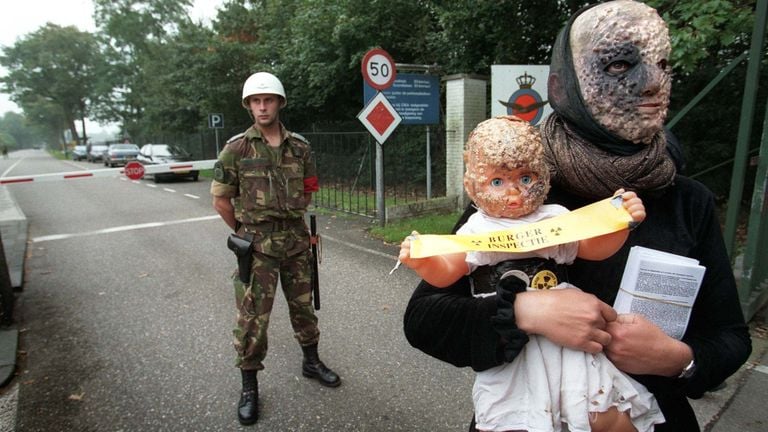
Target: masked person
263,183
609,87
546,385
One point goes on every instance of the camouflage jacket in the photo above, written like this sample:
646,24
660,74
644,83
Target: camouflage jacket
267,184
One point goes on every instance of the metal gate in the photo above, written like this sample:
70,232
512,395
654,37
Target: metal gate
346,167
751,266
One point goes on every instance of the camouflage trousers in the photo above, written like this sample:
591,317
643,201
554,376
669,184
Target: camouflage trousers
254,305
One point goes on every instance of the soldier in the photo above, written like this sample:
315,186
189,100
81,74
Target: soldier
263,182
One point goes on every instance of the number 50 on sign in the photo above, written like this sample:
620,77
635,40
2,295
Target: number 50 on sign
378,69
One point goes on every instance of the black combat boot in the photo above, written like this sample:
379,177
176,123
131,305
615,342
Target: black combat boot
312,367
248,407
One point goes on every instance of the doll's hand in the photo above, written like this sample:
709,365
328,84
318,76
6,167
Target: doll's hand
405,252
634,206
404,257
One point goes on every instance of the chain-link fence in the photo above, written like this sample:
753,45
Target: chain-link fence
201,145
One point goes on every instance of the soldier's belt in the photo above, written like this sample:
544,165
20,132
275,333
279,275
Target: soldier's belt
275,225
602,217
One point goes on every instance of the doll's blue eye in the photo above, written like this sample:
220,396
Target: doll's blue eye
497,182
526,180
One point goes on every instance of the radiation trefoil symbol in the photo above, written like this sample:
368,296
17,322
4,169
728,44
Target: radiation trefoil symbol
544,279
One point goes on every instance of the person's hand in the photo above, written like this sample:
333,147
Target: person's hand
633,204
638,346
568,317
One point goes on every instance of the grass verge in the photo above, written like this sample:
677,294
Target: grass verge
432,224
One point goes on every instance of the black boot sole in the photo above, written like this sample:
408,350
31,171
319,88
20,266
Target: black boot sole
245,422
317,377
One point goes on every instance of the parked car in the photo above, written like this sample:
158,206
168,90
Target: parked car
153,154
96,152
79,153
120,154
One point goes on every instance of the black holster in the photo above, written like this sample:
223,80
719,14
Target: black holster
242,246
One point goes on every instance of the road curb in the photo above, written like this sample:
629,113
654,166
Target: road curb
9,398
744,410
714,406
9,343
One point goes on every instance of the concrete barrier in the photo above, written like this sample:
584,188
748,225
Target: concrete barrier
13,228
440,205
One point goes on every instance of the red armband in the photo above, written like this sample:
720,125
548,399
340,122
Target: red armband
311,185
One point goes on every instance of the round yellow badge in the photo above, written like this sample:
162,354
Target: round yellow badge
544,279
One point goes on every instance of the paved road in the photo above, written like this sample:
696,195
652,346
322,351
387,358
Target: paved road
126,317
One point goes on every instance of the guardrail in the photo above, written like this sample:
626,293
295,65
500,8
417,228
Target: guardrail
109,172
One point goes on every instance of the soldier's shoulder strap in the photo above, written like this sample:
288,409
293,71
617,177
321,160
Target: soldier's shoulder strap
299,145
241,145
299,137
236,137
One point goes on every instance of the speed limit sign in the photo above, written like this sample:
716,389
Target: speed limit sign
378,69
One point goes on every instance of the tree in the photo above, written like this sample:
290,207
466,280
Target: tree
706,36
134,31
202,71
16,131
706,31
57,64
504,32
315,48
47,119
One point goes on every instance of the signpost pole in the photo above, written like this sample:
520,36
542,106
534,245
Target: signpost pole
378,116
380,207
217,141
429,168
216,122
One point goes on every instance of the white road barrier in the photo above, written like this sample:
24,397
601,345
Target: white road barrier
109,172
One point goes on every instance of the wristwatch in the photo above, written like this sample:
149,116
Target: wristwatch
688,371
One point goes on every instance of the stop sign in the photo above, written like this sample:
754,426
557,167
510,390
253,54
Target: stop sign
134,170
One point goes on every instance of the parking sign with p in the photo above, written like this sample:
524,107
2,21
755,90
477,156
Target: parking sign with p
215,121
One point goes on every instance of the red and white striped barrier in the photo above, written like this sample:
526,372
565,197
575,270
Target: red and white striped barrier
109,172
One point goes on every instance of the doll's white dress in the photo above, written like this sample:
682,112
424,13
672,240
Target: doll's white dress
549,388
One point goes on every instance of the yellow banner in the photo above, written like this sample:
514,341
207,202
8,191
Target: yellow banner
602,217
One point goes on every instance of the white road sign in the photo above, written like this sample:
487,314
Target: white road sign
378,69
379,117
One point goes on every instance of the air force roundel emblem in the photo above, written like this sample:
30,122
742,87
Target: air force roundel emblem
526,102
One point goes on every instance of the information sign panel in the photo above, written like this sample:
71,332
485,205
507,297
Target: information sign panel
416,97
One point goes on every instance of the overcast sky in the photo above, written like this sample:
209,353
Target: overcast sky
19,18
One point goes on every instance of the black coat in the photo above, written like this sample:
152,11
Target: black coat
451,325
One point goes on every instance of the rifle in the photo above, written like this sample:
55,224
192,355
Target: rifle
243,249
314,240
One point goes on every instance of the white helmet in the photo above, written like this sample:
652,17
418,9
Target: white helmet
262,83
